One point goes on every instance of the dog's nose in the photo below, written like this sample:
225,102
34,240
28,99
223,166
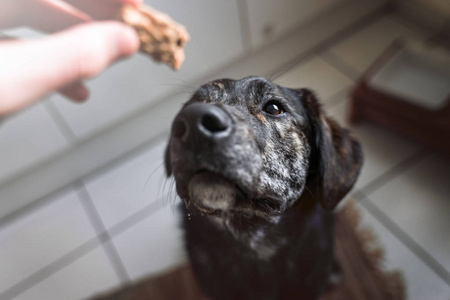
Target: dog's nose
200,120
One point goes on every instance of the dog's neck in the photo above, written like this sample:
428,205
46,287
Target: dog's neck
254,233
262,234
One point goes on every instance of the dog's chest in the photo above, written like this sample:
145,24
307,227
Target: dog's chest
261,242
229,263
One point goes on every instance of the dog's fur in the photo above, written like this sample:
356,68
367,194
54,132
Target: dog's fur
259,187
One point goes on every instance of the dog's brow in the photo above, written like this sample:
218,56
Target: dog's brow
253,83
254,89
211,92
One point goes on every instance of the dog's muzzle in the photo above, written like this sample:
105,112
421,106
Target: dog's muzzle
202,131
199,124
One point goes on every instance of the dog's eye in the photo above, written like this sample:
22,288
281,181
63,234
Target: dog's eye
274,108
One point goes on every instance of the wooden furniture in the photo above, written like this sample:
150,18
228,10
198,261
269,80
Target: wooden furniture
389,94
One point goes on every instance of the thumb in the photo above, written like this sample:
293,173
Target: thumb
31,69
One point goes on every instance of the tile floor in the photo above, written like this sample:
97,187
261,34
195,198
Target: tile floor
120,224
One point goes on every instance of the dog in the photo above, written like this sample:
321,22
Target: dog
260,167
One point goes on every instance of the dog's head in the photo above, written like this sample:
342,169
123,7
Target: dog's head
250,147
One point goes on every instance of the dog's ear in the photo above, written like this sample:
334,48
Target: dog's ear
336,157
167,162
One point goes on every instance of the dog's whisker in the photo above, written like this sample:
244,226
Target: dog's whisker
153,173
173,195
162,180
166,191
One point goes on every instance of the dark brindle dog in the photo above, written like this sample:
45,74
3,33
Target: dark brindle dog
259,167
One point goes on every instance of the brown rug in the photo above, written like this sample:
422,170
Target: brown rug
359,256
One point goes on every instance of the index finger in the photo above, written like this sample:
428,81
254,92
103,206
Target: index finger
50,63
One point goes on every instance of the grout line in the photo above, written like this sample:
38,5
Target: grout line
244,22
404,237
17,214
292,64
49,270
104,238
117,161
354,74
338,37
89,208
103,235
55,114
393,172
115,259
161,137
300,60
136,218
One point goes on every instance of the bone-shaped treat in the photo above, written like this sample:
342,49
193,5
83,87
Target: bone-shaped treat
160,37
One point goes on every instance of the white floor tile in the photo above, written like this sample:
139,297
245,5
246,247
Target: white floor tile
363,47
419,202
383,148
153,245
88,276
421,281
316,75
41,237
125,189
129,85
26,139
269,20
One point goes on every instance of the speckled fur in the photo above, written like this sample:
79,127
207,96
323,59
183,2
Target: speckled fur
276,241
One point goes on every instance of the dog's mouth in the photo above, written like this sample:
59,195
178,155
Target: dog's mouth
212,193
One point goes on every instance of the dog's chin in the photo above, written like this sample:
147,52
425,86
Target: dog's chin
211,193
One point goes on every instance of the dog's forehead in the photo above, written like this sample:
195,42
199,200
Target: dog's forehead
229,91
255,85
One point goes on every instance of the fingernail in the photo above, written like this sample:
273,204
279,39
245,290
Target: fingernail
82,94
76,91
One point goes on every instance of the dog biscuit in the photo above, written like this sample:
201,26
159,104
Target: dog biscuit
160,37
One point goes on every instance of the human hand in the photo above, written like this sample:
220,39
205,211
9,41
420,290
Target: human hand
80,45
